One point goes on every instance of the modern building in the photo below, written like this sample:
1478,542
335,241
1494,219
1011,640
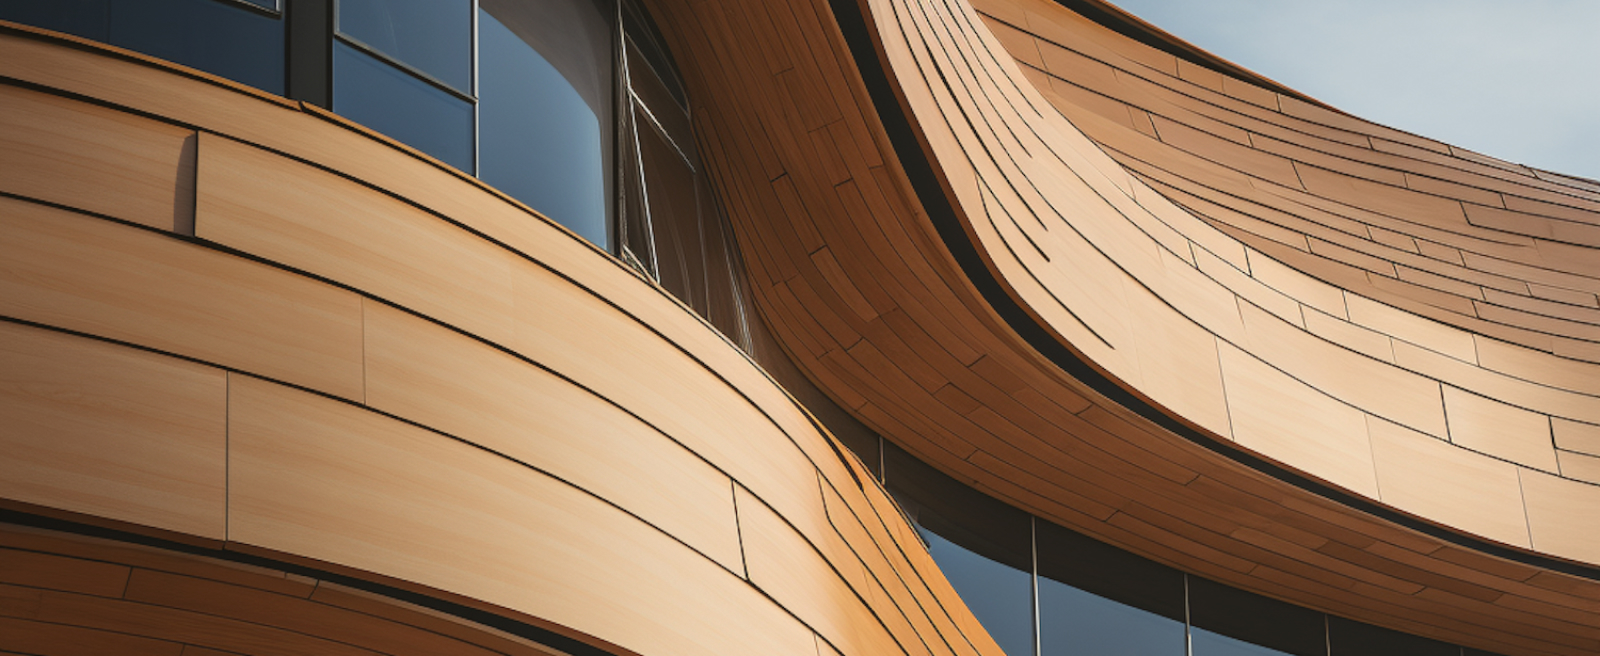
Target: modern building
661,327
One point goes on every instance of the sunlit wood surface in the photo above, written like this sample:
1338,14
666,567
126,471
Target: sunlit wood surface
244,325
1225,332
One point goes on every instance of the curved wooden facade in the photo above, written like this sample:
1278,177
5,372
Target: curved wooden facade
391,375
397,379
868,297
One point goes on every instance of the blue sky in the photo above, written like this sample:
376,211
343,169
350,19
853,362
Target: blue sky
1516,79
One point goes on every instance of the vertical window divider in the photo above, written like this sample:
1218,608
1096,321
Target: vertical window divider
1188,636
477,164
619,187
1033,549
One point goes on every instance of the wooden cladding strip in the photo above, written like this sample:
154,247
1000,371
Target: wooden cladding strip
102,430
103,595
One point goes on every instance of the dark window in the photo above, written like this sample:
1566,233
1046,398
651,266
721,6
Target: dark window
1000,596
431,36
669,183
1096,599
545,77
983,546
219,37
1351,638
1228,622
402,106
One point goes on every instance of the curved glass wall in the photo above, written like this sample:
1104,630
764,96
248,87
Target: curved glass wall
545,105
1040,589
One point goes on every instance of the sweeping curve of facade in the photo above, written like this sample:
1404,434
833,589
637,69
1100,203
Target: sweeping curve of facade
814,287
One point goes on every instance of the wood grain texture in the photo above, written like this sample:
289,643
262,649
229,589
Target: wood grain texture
196,614
102,430
328,481
1124,276
123,283
395,479
96,159
577,331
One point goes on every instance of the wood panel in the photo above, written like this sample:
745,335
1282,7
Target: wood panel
107,431
320,479
128,284
140,609
96,159
472,391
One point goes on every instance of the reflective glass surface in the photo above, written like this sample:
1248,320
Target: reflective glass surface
390,101
86,18
432,36
1076,623
543,142
215,36
674,217
1000,596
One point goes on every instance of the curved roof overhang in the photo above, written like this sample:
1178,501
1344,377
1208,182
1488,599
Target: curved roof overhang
1007,301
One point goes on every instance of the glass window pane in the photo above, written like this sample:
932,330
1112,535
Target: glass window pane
664,110
89,19
1351,638
1000,596
1235,615
220,38
544,108
398,104
1097,599
432,36
669,187
1076,623
215,36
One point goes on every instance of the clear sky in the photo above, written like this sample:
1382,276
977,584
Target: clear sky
1516,79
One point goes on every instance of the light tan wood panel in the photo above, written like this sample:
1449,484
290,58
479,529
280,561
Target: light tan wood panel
112,432
586,339
96,159
783,565
1486,425
452,383
1293,423
324,480
1584,438
1427,476
91,275
336,228
1563,515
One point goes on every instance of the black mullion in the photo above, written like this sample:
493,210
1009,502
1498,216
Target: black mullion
310,51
